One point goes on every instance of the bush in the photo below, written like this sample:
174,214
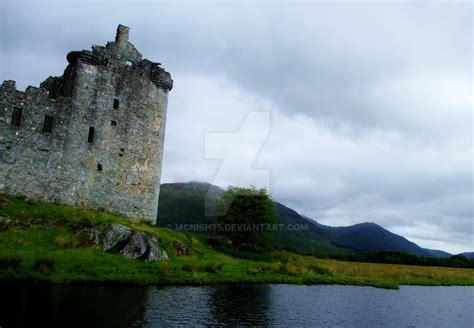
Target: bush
247,217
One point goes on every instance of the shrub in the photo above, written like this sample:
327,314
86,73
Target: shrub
248,216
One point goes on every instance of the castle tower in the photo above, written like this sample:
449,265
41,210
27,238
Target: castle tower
105,147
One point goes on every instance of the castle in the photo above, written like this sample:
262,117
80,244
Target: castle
92,137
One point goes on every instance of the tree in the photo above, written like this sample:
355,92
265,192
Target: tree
247,217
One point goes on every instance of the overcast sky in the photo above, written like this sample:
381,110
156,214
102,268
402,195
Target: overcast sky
370,105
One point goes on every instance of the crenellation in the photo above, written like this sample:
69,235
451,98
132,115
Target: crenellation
9,86
92,137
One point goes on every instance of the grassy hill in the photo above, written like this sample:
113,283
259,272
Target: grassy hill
44,245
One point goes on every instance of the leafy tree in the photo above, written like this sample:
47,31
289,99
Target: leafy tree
247,218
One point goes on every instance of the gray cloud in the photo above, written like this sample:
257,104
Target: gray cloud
371,103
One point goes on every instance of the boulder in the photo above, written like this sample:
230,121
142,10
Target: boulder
116,236
90,236
155,253
6,223
137,247
144,247
182,248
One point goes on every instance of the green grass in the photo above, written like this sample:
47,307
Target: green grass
45,248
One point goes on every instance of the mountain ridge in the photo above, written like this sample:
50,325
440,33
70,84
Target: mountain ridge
188,202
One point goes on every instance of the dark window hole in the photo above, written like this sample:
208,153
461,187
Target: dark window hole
48,124
16,116
90,137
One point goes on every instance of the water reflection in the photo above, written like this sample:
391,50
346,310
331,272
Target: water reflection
234,305
72,306
240,304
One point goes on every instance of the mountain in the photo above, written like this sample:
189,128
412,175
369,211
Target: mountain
186,203
370,237
301,234
469,255
437,253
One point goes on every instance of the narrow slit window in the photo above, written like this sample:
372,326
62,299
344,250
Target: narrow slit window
48,124
99,167
90,137
16,116
113,122
116,103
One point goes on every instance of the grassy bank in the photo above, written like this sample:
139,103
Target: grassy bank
45,247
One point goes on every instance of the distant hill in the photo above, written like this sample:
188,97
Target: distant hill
469,255
185,203
310,239
371,237
438,253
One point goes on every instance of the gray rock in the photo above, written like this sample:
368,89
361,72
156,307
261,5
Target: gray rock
182,248
91,236
155,253
116,236
137,247
6,223
94,237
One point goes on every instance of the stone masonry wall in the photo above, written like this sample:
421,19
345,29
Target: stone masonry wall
106,145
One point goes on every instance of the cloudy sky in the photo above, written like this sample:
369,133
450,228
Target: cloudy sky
347,111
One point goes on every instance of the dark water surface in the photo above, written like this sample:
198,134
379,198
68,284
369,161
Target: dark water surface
274,305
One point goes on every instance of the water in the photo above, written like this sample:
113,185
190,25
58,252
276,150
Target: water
274,305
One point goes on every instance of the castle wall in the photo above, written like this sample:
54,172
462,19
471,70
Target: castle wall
117,167
31,161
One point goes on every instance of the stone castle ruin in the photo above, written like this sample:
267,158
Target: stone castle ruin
92,137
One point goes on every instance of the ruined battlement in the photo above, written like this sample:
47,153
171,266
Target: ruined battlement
92,137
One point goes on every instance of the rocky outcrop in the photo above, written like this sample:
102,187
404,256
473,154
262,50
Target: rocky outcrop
155,252
6,223
181,248
118,238
142,247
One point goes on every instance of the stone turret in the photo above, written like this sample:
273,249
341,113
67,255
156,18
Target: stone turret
92,137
